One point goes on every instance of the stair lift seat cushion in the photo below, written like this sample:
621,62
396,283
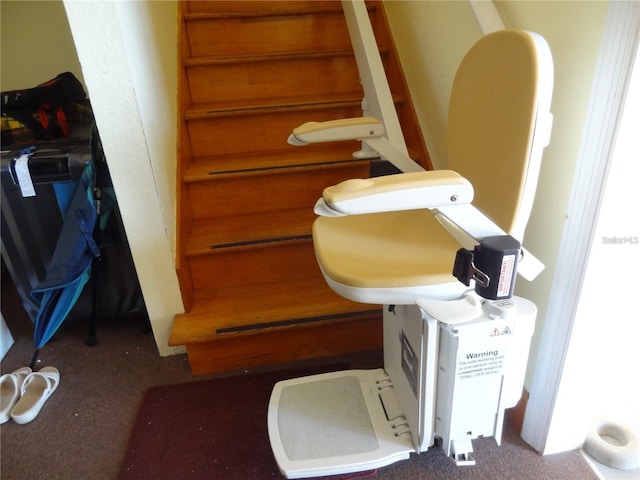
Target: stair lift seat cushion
396,257
389,257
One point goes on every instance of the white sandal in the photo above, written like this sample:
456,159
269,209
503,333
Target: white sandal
36,389
10,390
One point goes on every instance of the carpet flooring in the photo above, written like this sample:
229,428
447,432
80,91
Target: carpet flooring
217,429
214,428
93,424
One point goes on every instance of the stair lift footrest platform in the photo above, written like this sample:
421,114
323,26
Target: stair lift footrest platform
335,423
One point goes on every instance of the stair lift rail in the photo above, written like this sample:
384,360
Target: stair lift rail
377,101
486,15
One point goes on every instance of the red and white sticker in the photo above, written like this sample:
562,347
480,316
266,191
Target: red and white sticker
506,274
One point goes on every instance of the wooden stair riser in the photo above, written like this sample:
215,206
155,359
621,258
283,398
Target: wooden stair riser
285,345
256,227
236,132
237,35
273,190
274,263
273,77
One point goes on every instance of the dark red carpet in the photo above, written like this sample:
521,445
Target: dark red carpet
211,429
217,430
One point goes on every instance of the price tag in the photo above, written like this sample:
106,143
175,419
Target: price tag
24,177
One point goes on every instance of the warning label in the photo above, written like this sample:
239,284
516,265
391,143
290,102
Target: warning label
480,364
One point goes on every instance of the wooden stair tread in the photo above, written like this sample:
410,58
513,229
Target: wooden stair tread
241,310
271,105
237,231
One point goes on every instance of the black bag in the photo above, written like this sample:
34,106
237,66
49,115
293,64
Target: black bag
44,112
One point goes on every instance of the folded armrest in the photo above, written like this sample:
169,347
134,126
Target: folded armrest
369,130
336,130
405,191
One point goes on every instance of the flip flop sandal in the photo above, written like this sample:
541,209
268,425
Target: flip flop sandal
10,390
36,389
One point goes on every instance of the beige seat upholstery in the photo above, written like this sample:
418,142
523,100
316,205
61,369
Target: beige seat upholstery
394,257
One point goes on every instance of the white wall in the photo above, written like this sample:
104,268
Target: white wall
598,378
149,31
128,55
431,38
612,275
36,44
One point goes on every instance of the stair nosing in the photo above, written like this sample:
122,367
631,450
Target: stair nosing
200,16
248,245
212,110
259,327
269,57
262,241
216,175
262,328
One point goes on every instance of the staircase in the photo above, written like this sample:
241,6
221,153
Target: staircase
251,71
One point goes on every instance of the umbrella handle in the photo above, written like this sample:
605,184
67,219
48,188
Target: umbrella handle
34,357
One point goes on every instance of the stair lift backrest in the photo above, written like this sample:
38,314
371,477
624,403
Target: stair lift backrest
502,86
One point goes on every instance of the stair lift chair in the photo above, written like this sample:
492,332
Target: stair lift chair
455,345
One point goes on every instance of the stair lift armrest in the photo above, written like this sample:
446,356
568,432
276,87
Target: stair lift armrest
357,128
369,130
404,191
469,226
